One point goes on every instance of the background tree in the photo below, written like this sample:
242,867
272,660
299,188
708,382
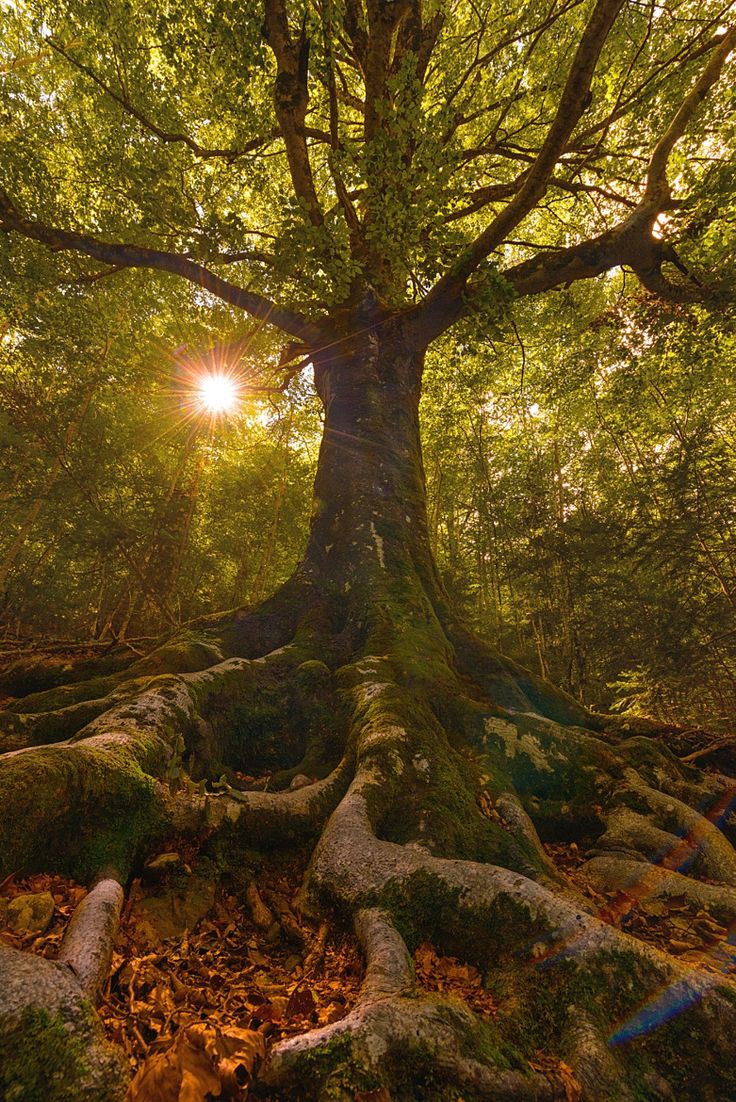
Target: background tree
564,588
382,173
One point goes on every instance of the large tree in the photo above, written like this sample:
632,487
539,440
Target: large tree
380,174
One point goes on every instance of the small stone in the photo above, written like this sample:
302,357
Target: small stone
163,864
30,913
299,781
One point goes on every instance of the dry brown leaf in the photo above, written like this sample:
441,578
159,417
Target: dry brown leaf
378,1094
202,1060
301,1003
556,1069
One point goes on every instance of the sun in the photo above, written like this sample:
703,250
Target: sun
217,392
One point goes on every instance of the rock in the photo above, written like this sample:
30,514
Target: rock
30,913
158,867
299,781
173,910
52,1045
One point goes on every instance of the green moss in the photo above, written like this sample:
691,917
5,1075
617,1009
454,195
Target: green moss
488,1045
418,904
313,675
650,758
332,1071
693,1050
53,700
81,807
40,1061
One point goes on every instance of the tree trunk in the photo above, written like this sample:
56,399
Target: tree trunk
358,672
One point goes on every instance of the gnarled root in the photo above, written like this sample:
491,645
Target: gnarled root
395,1036
593,987
51,1039
434,798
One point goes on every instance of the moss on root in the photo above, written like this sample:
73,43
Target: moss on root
411,721
77,808
334,1072
39,1061
419,905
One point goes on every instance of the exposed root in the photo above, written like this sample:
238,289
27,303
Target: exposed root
88,940
396,756
666,832
394,1036
511,810
50,1036
641,880
471,904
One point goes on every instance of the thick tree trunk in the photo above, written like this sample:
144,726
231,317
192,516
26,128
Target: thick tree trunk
369,524
357,672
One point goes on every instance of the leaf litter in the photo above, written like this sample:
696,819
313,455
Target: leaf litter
197,1013
672,923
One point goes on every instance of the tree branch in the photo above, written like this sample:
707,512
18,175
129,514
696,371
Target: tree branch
572,104
167,136
657,188
119,255
291,98
630,243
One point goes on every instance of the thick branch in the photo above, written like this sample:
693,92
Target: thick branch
630,243
291,98
573,102
657,188
138,256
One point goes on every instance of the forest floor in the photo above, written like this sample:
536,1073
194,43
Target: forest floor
209,972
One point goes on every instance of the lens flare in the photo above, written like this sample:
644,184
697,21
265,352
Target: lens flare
217,392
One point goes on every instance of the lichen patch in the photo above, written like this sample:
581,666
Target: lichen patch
515,742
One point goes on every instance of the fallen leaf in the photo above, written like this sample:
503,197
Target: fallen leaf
301,1003
202,1060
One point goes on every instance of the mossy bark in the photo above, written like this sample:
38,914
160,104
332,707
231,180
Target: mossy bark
410,728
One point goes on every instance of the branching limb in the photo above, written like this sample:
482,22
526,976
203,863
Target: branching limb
291,99
138,256
630,243
657,188
572,104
